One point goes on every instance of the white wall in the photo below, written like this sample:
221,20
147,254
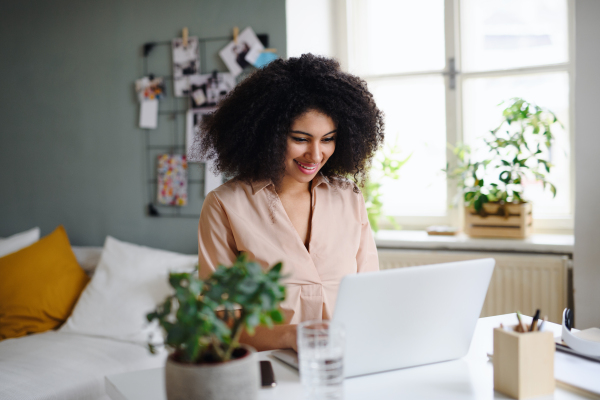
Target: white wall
317,27
310,27
587,164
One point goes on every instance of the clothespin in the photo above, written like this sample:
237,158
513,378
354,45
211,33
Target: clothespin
236,32
270,50
184,35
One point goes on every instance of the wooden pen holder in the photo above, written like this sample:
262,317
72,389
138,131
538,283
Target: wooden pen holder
523,363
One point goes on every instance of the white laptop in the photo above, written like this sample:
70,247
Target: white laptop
408,316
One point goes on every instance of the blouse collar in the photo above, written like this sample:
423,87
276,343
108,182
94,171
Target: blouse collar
260,185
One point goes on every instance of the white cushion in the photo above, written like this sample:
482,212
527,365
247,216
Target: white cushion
18,241
66,366
129,282
88,257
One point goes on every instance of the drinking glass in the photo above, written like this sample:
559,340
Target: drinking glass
321,358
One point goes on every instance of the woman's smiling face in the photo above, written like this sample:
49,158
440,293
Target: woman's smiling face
311,141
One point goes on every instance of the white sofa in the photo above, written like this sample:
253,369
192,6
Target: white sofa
65,365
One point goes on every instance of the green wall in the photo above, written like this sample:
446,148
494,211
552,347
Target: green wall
70,150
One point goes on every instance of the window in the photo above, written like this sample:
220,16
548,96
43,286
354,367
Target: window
439,69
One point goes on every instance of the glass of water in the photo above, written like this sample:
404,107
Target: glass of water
321,358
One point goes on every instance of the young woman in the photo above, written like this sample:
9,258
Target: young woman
297,136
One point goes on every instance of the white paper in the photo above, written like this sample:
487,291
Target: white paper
211,181
192,128
577,371
234,54
148,114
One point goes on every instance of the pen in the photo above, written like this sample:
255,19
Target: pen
542,324
534,321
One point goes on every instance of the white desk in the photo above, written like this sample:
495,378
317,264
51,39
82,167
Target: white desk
468,378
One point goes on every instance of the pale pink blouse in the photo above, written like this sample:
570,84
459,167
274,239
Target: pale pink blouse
238,217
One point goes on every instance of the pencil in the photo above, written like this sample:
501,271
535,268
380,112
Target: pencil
521,325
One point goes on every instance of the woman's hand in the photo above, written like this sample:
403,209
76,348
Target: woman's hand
292,339
279,337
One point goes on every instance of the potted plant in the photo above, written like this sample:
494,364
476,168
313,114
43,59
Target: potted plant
492,186
203,321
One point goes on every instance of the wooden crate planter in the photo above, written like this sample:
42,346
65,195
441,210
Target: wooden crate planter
511,221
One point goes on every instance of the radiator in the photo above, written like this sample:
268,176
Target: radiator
523,282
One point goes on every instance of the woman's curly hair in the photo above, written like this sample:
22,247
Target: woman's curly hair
247,135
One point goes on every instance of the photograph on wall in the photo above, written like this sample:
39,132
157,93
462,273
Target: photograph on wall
207,90
238,55
150,88
172,179
192,132
186,62
149,114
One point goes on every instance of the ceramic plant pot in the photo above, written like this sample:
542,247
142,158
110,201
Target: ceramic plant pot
236,379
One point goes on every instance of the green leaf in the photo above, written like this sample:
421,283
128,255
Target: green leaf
517,197
504,176
248,286
175,334
265,319
480,201
277,268
252,320
151,316
277,316
469,196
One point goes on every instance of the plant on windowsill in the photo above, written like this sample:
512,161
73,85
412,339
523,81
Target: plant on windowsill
385,166
492,186
203,321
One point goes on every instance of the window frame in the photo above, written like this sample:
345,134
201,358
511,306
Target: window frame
454,105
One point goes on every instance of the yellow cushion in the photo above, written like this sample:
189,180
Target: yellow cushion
39,286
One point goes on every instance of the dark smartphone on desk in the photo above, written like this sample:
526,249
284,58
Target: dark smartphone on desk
267,375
